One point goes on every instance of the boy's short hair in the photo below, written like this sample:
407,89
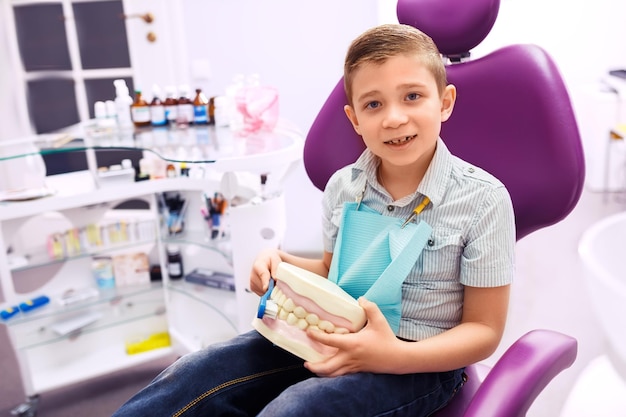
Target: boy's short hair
380,43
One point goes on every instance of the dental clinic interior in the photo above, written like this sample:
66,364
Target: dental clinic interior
149,149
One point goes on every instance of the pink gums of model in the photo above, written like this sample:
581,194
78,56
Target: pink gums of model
302,300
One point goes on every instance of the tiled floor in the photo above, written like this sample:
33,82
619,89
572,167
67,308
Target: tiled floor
549,292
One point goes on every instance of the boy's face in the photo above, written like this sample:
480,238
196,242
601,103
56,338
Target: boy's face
398,111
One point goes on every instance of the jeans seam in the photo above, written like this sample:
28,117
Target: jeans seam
429,394
229,384
456,390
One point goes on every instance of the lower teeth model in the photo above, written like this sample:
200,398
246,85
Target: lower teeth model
301,299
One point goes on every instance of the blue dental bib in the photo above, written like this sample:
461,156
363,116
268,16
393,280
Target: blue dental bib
373,255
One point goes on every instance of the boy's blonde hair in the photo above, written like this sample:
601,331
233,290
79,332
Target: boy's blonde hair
380,43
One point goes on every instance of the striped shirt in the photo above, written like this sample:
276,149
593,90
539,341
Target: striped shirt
472,242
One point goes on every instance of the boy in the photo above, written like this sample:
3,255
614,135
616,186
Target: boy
454,299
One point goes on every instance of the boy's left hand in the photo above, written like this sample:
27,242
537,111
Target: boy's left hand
369,350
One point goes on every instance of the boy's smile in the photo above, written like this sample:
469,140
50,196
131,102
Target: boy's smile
398,111
400,141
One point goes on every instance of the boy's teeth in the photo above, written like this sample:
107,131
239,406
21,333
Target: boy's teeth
295,315
398,141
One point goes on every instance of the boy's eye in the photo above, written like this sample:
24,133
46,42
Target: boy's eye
412,96
372,105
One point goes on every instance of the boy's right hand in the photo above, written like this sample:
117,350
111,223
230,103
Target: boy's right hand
263,268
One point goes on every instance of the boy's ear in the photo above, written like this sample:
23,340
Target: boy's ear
352,117
448,98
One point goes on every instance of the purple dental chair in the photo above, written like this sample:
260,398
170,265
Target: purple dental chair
513,117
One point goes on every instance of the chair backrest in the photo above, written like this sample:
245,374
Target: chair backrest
513,116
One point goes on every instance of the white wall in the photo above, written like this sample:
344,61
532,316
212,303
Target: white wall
297,47
585,38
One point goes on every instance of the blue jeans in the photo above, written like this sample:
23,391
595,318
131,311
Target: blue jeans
249,376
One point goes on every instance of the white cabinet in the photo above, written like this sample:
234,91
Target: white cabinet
65,342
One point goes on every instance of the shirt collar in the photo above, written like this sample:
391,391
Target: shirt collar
435,180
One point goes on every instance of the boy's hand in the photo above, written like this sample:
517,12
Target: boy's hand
263,268
369,350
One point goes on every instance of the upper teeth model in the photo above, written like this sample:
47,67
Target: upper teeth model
302,299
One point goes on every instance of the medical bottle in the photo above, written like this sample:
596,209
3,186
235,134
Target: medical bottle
157,108
221,115
200,108
99,112
212,111
185,107
122,101
101,116
174,262
140,110
112,111
171,105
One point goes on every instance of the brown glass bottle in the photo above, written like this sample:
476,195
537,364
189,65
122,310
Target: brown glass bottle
140,110
200,108
212,111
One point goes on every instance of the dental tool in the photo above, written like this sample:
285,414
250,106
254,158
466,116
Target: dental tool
416,211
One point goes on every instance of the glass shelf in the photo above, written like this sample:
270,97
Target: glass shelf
38,260
221,301
192,144
202,239
114,308
105,297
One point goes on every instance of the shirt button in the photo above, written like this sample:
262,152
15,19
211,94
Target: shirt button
470,170
390,208
431,242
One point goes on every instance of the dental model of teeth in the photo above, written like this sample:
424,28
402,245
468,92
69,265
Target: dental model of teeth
301,300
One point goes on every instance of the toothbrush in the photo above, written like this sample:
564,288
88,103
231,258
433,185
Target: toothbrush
267,308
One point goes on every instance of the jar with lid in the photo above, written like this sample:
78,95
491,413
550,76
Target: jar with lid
174,262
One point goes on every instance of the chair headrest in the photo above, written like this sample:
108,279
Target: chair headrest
456,26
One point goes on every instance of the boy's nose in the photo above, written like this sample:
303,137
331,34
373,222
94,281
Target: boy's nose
394,117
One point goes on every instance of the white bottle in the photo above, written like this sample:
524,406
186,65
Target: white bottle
100,111
171,104
157,108
185,106
111,110
123,101
101,116
222,115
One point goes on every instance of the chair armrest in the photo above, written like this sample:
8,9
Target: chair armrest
522,373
